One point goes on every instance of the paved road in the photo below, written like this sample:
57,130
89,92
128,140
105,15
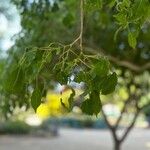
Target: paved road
76,140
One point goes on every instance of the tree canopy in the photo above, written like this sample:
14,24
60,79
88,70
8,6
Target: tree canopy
95,42
60,39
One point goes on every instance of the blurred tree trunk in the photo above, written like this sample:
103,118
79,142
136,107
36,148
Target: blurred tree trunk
117,141
117,145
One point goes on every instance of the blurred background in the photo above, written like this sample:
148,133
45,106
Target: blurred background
26,23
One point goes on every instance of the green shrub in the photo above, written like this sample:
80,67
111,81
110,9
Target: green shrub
14,127
146,111
73,122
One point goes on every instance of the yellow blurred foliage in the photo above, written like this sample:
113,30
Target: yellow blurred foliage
53,106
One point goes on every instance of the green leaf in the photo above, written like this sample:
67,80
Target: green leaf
93,104
68,20
71,99
28,58
92,5
63,104
108,84
55,7
14,82
132,39
62,77
121,19
82,76
36,98
111,3
101,68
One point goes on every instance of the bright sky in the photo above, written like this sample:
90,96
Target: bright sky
8,26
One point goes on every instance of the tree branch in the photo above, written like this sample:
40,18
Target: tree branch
80,36
129,65
121,114
117,61
105,117
123,109
112,129
130,126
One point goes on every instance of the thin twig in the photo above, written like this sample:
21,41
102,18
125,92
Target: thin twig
81,23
